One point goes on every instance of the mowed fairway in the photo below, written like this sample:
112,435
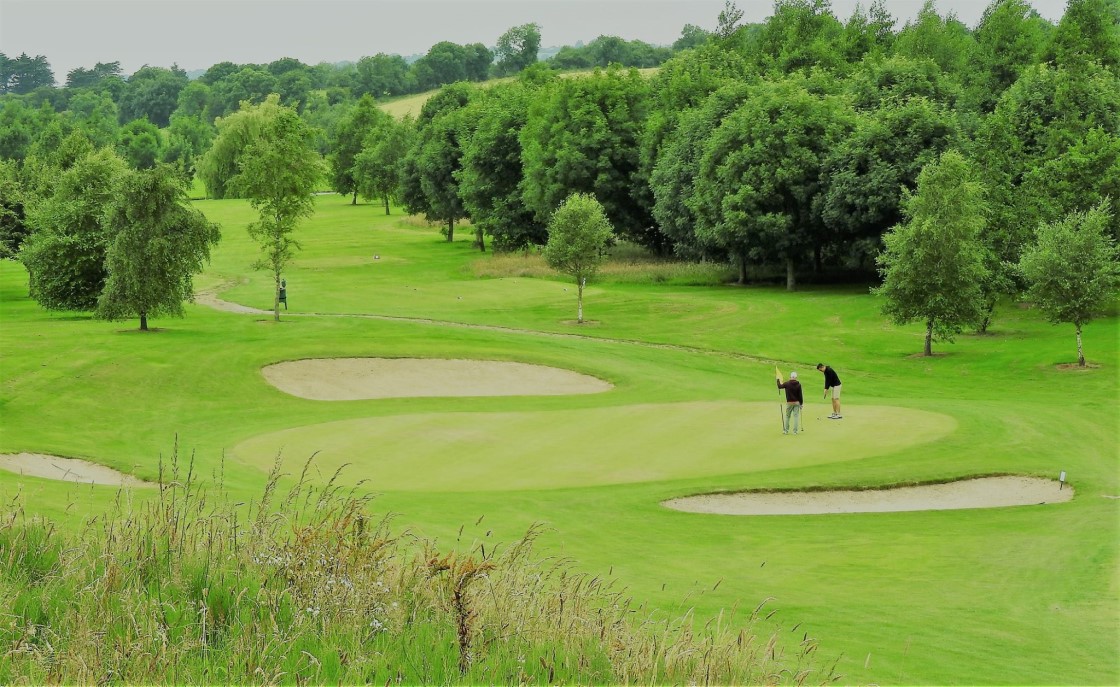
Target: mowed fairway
1025,595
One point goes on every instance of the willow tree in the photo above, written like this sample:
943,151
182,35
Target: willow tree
157,243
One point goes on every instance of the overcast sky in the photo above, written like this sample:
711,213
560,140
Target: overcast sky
196,34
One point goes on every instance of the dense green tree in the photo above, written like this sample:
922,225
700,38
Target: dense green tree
187,139
866,173
605,51
933,265
868,34
1048,112
219,71
427,181
18,124
760,174
13,218
57,148
446,63
24,74
347,140
692,36
152,93
157,242
1073,269
578,234
674,175
194,101
945,40
1009,39
294,88
1088,32
376,166
278,173
1077,180
285,65
584,136
65,252
236,133
95,113
438,156
492,174
86,78
684,82
448,99
140,144
517,49
249,84
800,35
896,79
383,76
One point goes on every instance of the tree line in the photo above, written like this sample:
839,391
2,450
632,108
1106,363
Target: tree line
797,144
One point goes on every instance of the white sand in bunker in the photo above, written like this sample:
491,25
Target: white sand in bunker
67,470
982,492
351,379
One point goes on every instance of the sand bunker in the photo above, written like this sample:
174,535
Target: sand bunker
983,492
67,469
351,379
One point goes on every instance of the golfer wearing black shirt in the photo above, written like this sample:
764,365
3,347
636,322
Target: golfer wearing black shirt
831,381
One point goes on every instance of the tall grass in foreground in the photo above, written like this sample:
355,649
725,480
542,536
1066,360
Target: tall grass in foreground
310,587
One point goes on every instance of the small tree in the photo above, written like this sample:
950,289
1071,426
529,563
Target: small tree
278,174
934,264
578,233
375,168
157,243
1072,270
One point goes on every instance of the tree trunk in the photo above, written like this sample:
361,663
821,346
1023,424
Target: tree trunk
480,239
1080,352
791,277
929,338
987,321
579,300
742,268
386,204
450,230
276,299
144,325
355,199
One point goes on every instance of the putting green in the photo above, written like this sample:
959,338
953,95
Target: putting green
582,447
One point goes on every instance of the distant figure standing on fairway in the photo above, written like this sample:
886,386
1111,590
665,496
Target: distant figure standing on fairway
794,400
831,381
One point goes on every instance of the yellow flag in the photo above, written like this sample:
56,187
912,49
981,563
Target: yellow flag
778,374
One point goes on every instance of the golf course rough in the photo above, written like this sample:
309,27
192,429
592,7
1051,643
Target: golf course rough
350,379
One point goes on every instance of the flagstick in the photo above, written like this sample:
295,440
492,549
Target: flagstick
781,410
781,413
